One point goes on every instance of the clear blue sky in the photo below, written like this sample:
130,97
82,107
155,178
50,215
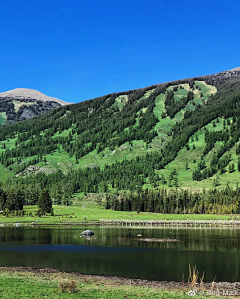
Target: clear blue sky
77,50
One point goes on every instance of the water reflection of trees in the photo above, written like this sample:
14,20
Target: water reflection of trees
205,239
117,251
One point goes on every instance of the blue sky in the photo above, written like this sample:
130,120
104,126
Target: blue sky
77,50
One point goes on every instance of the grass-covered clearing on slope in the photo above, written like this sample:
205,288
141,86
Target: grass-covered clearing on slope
120,101
3,118
18,104
5,173
205,89
193,156
165,124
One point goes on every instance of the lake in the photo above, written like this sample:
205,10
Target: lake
117,251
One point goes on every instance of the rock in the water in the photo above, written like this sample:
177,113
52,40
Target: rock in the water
139,235
87,232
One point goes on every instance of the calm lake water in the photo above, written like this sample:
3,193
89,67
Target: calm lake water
117,251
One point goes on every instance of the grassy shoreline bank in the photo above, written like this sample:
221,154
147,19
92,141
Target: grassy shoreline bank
28,282
134,224
85,213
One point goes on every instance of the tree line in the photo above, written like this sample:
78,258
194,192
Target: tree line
226,201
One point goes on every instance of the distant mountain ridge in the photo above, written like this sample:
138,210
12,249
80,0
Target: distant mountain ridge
236,69
26,93
22,103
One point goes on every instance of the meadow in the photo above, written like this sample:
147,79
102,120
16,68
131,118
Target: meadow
86,209
34,283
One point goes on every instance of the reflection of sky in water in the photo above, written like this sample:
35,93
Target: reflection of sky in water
73,248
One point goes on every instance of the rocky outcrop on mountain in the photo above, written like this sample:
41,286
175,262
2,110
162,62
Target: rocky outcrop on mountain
218,80
21,104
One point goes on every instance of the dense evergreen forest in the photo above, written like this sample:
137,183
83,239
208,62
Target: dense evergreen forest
164,119
176,201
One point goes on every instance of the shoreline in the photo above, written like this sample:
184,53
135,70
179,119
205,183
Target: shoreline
132,223
126,281
31,282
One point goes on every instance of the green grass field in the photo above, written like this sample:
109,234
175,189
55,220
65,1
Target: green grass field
19,284
90,208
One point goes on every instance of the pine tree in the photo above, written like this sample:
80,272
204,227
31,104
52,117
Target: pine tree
45,202
150,206
19,199
11,200
3,199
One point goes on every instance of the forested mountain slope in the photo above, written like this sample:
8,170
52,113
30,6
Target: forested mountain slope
182,134
21,103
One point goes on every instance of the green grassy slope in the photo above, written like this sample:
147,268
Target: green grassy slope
75,148
59,159
193,156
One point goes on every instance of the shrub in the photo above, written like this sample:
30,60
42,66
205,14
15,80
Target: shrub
72,288
63,286
38,213
68,286
6,212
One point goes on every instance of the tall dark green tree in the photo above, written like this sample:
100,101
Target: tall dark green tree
3,199
238,164
45,201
